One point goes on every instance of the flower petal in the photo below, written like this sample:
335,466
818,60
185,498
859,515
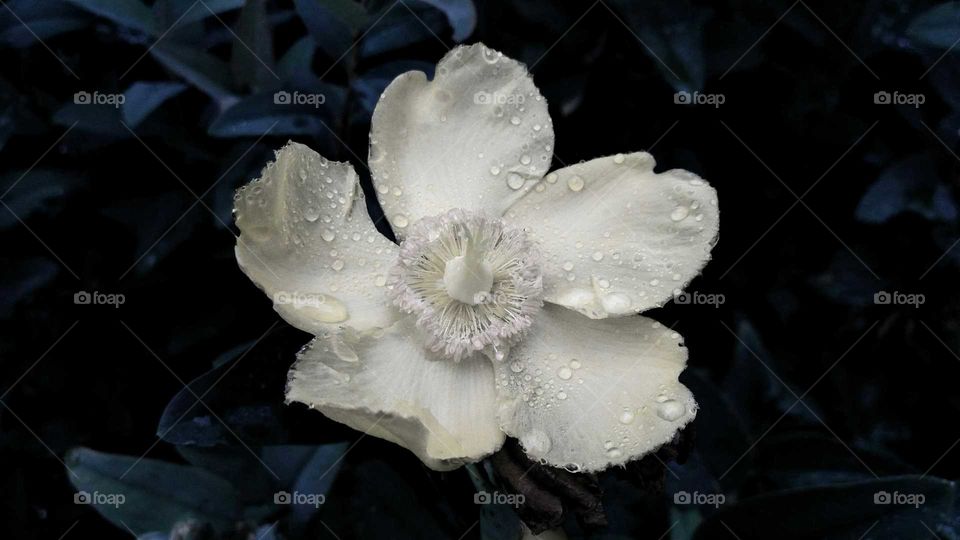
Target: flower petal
308,242
586,394
475,137
384,383
617,237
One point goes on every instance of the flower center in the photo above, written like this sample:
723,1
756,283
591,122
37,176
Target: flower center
468,277
473,283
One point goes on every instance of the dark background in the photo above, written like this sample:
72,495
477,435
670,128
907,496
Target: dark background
814,397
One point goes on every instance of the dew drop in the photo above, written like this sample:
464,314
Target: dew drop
575,183
536,442
327,235
380,280
337,265
494,170
597,256
525,159
575,364
311,213
515,181
516,367
671,410
626,417
568,266
565,373
679,213
400,221
618,159
552,178
515,120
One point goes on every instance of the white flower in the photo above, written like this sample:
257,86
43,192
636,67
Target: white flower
509,306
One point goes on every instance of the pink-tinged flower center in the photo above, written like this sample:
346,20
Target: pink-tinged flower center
473,283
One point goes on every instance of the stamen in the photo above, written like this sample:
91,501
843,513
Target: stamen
473,283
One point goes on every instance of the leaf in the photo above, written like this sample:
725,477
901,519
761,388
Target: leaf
41,19
142,98
94,118
497,521
332,23
400,28
672,36
461,14
373,500
33,191
297,59
151,495
305,469
937,27
130,13
276,113
252,56
206,72
838,511
910,185
170,11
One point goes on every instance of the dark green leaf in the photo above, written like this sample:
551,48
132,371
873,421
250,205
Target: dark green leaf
206,72
938,26
130,13
142,98
278,114
461,14
882,506
252,57
150,495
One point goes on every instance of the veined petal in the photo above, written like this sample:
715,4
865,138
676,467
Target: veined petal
618,238
475,137
384,383
586,394
308,242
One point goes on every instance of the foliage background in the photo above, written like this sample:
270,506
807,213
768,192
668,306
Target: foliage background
814,397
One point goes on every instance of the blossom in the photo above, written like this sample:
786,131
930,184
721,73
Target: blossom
510,305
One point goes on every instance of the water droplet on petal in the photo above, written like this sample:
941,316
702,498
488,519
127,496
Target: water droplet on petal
575,183
626,417
565,373
536,442
671,410
515,181
400,221
679,213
